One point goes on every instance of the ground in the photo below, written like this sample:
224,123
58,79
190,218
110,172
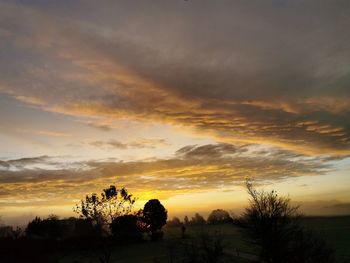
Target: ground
335,230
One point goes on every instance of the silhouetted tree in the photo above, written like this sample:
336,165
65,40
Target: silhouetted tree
112,203
219,216
197,220
154,216
273,224
126,228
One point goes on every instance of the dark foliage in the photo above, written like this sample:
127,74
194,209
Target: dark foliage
82,228
50,228
53,228
126,228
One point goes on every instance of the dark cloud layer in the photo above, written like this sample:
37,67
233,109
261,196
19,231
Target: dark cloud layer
253,71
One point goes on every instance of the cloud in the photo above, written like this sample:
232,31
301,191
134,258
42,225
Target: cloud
101,126
148,143
190,169
345,206
210,151
52,133
22,162
252,72
137,144
111,143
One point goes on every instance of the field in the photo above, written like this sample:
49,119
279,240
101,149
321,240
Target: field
336,230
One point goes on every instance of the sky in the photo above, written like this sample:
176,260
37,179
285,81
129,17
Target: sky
176,100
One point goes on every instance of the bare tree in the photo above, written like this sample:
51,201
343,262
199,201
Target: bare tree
273,224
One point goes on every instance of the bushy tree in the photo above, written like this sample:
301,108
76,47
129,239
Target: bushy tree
111,203
154,216
219,216
273,224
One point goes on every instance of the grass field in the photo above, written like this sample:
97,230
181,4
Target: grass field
335,230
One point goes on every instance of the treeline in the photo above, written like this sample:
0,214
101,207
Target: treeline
217,216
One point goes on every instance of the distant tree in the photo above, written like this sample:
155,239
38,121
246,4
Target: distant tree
219,216
273,224
174,222
154,215
197,220
111,203
186,221
126,228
